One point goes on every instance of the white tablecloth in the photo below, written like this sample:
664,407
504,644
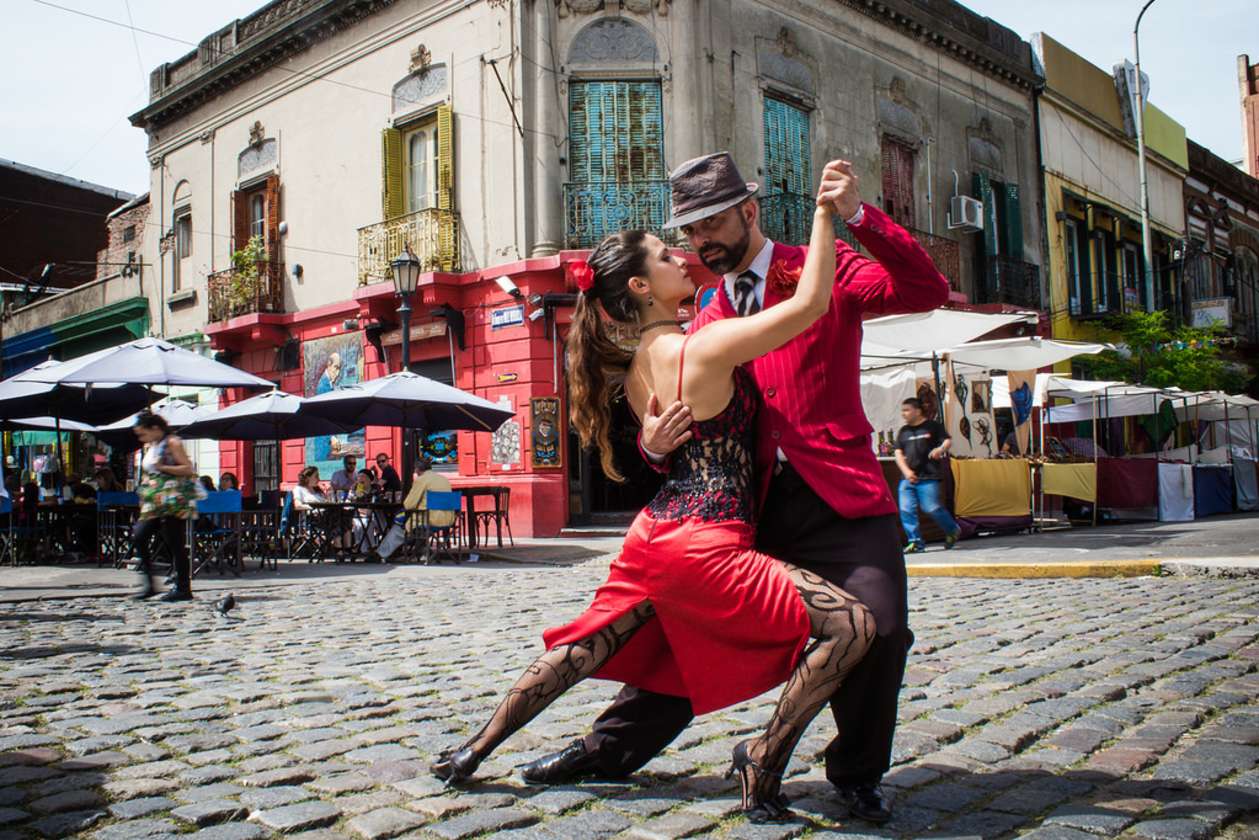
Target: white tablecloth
1175,493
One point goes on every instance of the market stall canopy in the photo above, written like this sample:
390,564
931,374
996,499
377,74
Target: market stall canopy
146,361
1026,353
935,331
1216,406
409,401
101,403
1103,400
274,415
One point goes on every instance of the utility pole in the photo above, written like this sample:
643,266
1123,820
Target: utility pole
1147,245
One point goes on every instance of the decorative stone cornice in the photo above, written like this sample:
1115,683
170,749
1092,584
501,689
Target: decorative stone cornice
952,28
244,49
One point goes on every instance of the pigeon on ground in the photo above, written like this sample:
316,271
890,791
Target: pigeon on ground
225,604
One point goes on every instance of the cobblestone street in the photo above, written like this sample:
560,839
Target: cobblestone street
1053,709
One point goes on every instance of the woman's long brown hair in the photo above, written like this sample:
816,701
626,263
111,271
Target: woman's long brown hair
596,364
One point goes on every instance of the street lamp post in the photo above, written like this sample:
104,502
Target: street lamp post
406,274
1147,245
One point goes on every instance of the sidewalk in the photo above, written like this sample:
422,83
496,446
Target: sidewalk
1221,546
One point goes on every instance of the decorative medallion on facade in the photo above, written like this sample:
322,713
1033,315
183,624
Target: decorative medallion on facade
612,40
782,60
256,133
984,148
258,157
420,87
898,114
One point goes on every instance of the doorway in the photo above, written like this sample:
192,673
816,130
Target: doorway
594,497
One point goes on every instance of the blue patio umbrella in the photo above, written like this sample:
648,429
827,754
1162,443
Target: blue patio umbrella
275,415
409,401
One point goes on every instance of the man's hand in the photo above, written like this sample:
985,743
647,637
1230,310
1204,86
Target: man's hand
937,453
841,187
665,432
911,477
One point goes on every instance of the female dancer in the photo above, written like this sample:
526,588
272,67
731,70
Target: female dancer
167,502
689,607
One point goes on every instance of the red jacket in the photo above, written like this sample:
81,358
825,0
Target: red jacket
810,387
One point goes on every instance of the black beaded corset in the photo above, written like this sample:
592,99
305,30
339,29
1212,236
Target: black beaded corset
710,477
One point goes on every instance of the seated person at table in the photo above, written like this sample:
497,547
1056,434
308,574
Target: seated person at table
227,481
364,486
343,479
390,481
207,483
84,493
423,480
306,494
106,482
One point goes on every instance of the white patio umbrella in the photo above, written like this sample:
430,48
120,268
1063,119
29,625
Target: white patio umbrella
146,361
177,413
409,401
100,404
274,415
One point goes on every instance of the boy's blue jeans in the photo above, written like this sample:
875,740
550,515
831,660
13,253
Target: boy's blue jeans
924,496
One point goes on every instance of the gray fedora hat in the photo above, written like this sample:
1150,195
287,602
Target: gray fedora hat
705,186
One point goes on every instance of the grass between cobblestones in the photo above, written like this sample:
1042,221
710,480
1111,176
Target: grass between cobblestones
1041,708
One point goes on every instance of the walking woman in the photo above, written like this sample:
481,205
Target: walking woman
690,609
167,501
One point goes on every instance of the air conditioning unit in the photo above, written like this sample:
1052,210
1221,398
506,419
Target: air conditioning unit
966,214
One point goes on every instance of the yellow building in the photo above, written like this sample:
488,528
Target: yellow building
1094,260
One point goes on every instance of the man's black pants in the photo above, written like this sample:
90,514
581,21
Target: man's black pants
862,557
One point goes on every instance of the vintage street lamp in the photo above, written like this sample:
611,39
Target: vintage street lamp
406,275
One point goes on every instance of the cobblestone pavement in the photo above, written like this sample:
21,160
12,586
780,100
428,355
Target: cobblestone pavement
1055,709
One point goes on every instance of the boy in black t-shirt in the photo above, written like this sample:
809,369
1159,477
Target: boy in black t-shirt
921,448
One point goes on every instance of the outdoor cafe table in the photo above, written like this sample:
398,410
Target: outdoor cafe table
337,513
61,525
470,494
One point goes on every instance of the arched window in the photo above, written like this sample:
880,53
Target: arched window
181,222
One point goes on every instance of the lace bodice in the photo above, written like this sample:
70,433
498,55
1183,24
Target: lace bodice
710,477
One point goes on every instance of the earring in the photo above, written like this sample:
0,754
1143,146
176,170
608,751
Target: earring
649,300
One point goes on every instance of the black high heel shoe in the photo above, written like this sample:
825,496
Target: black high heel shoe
762,801
456,766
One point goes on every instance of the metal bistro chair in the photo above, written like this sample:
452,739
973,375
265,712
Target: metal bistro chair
291,535
114,514
8,533
498,517
218,542
442,540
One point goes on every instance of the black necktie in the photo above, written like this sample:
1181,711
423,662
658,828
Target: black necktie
745,294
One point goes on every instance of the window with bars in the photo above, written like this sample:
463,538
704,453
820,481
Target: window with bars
787,191
266,463
617,175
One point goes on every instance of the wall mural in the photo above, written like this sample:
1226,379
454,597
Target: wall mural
327,365
545,426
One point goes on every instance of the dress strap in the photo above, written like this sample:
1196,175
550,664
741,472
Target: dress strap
682,364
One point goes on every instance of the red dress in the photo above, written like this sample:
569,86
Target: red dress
729,623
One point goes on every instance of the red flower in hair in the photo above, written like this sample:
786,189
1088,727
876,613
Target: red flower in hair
784,278
583,275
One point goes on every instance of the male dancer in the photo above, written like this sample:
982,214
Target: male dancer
825,505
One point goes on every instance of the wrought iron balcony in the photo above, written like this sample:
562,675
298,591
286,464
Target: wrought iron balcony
945,253
788,218
433,236
1105,298
246,291
596,209
1010,281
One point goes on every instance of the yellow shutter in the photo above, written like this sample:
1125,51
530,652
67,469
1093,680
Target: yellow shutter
448,232
393,167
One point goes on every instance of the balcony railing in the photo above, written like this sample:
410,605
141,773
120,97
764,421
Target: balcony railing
433,236
1011,281
1106,296
788,218
596,209
945,253
249,291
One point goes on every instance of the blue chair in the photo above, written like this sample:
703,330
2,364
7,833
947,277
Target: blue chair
442,540
216,536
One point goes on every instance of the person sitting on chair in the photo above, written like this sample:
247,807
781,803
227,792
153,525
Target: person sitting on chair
422,481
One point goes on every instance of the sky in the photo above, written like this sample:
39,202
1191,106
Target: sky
68,83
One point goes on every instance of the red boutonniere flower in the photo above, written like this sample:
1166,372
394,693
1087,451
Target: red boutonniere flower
784,278
582,275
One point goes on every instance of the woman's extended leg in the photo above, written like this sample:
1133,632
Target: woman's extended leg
550,675
843,629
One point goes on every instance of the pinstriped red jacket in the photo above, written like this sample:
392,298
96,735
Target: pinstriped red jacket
810,387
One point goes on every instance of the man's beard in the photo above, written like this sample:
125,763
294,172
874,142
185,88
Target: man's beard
720,259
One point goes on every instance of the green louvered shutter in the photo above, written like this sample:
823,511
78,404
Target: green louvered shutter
615,158
983,192
786,203
1013,227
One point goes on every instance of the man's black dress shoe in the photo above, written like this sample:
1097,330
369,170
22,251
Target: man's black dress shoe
568,765
865,802
176,595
